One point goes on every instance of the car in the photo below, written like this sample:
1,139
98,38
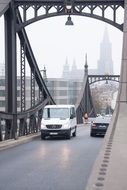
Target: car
59,120
99,125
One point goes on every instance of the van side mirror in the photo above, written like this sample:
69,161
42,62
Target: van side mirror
71,117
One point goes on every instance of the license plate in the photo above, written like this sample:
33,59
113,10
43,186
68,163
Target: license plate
54,133
102,126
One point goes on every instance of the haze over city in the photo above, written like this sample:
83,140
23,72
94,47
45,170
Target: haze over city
66,130
53,42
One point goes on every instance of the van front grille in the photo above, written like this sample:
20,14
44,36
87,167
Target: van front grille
53,126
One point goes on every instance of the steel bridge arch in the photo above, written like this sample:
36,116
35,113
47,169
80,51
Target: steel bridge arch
97,78
33,20
61,10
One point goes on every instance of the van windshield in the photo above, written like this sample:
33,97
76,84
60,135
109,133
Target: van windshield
56,113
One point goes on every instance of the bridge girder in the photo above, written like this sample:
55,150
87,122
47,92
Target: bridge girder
11,117
96,78
45,9
84,102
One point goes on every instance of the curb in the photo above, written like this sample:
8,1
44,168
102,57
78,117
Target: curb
12,142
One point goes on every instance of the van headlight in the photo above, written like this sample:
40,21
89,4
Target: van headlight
43,126
66,125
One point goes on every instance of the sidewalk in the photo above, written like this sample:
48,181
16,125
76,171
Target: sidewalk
23,139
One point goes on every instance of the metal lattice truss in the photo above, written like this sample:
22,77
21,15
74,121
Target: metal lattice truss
96,78
84,103
27,120
41,9
23,74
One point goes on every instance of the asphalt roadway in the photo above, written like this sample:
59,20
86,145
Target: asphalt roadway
52,164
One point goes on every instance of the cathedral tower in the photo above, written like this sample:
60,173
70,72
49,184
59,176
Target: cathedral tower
105,63
66,70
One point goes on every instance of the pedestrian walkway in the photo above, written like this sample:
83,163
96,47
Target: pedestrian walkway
110,169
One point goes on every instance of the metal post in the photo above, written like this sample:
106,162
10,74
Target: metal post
1,135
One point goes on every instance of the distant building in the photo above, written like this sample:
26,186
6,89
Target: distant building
28,93
2,69
64,91
66,70
74,73
105,63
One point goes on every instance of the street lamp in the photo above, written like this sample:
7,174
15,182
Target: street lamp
69,21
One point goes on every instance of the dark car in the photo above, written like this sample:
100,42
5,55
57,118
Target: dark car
99,125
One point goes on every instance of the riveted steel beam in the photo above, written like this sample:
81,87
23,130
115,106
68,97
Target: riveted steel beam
96,78
11,68
33,88
82,8
23,75
84,102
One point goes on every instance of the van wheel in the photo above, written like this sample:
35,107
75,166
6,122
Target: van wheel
74,133
68,135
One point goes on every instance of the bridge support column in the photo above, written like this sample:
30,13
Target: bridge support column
10,65
122,97
23,127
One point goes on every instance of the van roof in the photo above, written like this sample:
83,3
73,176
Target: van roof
60,106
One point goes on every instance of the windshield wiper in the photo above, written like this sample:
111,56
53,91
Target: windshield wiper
63,118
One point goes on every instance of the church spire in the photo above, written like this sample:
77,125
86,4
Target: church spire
74,67
66,69
86,65
105,63
106,37
44,74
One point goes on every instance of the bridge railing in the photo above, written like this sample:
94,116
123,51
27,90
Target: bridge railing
28,122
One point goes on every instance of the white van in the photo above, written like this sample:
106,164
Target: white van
59,120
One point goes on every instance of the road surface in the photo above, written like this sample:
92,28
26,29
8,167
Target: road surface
52,164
